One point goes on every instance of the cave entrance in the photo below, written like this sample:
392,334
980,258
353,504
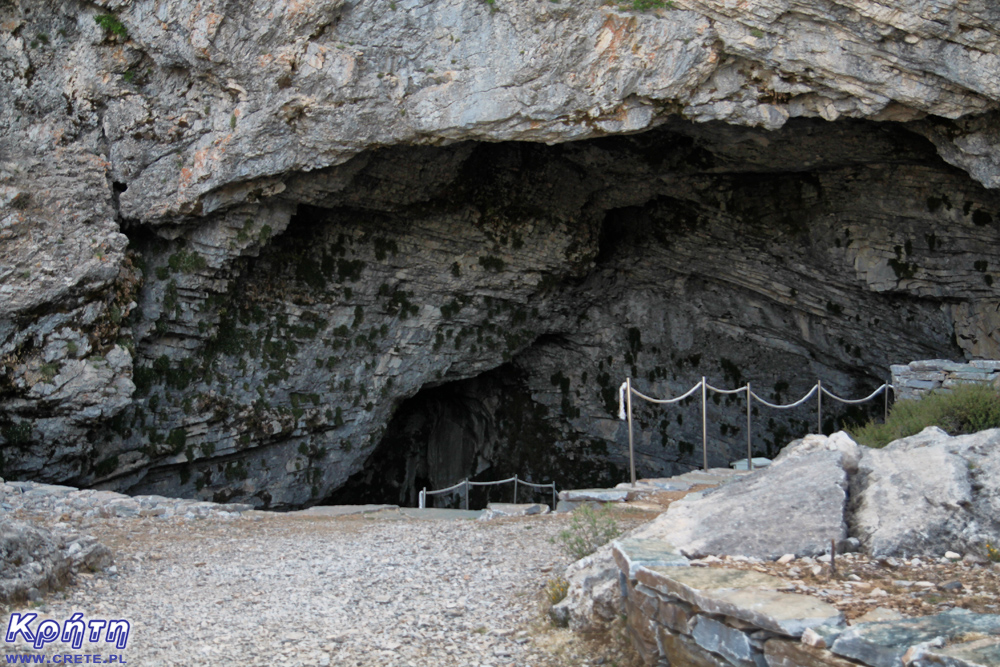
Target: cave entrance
483,428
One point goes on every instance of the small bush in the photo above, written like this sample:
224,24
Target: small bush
556,590
111,25
589,530
965,409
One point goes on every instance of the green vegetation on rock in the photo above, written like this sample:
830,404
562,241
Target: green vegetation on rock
965,409
111,25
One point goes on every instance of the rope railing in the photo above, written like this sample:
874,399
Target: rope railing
466,483
626,391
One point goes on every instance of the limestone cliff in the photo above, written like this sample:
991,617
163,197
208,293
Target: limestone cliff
250,247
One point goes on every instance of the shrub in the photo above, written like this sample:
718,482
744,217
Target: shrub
111,25
965,409
589,530
556,590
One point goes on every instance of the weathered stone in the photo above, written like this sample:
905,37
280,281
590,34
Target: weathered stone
676,615
821,636
681,650
595,594
633,553
595,495
884,644
983,652
878,614
497,510
640,610
927,494
796,505
758,462
35,560
748,596
785,653
723,640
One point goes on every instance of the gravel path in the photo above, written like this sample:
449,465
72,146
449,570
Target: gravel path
266,589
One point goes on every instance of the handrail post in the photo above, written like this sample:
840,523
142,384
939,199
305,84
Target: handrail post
819,407
631,450
423,498
466,493
885,391
749,452
553,496
515,489
704,424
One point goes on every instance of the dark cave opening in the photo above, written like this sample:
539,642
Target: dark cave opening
485,428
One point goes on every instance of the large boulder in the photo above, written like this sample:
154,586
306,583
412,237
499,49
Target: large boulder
928,494
35,560
594,596
794,506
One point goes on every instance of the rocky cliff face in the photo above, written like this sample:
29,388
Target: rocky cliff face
277,252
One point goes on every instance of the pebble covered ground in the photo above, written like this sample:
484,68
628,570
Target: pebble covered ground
375,589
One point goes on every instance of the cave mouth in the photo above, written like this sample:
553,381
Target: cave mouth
434,313
689,250
484,428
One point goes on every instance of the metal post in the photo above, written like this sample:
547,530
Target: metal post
423,498
466,492
704,424
885,390
554,503
631,450
515,489
819,407
749,452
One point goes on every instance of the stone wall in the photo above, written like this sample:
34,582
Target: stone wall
915,379
718,617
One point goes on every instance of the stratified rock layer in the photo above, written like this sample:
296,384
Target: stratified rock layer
272,252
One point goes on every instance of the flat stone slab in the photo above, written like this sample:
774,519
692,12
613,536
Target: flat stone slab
632,553
884,644
342,510
498,510
654,485
758,462
749,596
596,495
713,476
439,514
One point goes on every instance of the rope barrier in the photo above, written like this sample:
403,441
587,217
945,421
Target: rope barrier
790,405
667,401
626,391
450,488
537,486
466,483
859,400
499,481
738,390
